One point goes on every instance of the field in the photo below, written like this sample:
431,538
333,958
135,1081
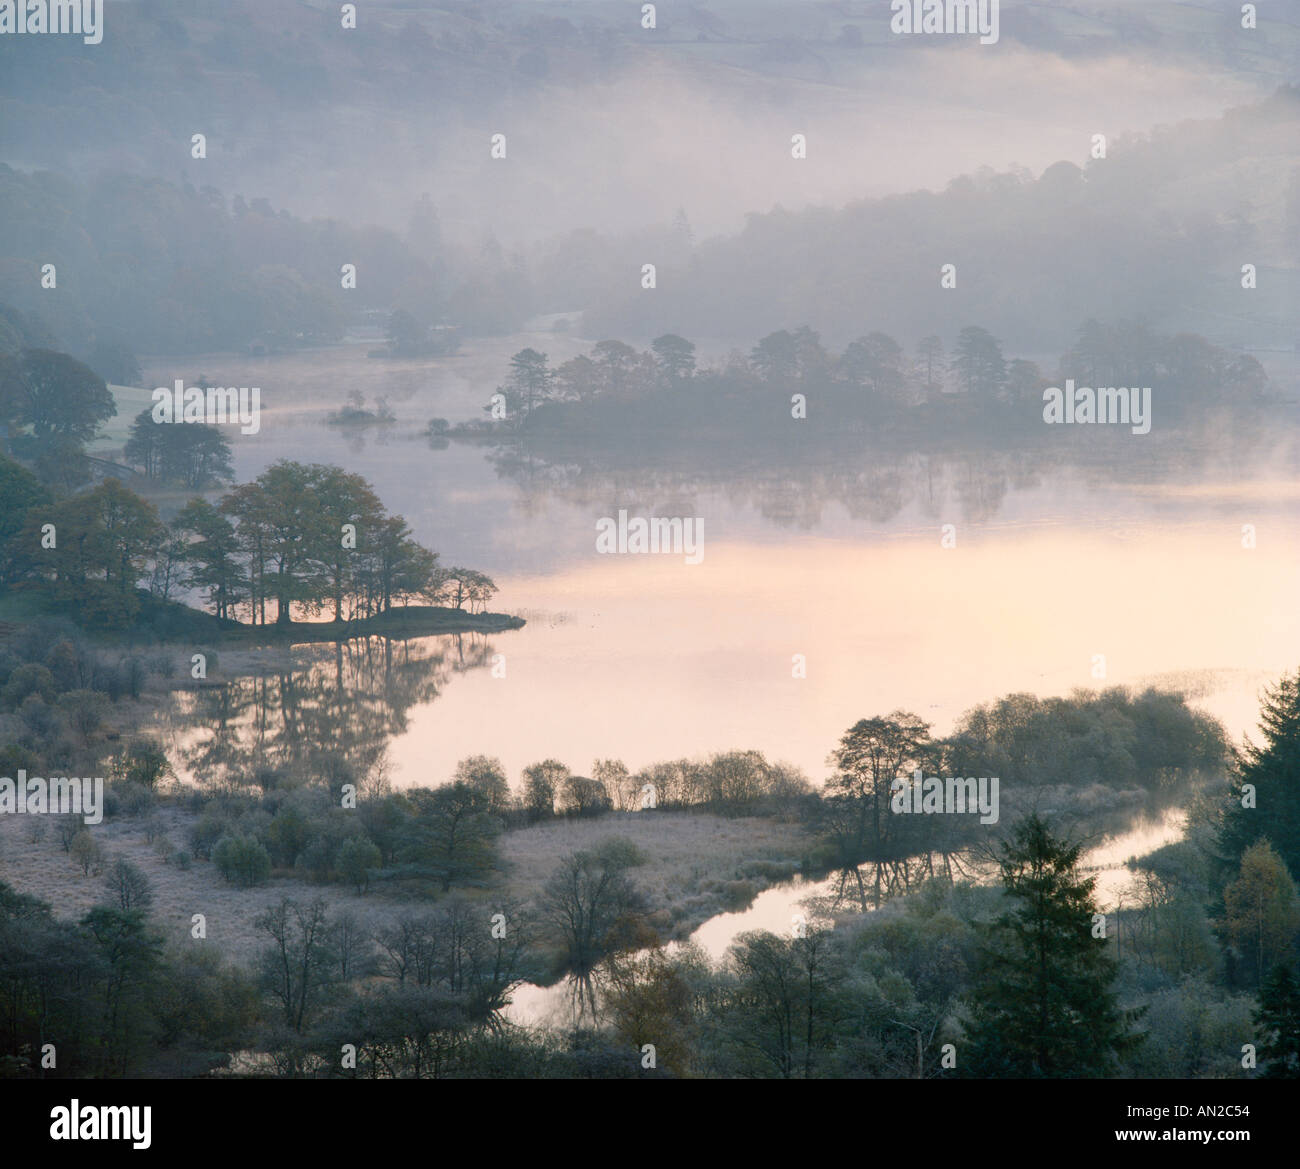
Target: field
696,865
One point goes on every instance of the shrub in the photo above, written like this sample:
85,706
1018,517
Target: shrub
27,680
242,860
317,859
211,827
618,852
86,852
131,799
357,858
144,762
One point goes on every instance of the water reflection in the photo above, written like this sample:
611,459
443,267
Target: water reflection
320,712
573,1002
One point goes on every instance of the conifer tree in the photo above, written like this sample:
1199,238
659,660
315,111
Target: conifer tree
1046,1007
1265,799
1278,1020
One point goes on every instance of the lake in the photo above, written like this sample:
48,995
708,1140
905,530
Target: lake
646,657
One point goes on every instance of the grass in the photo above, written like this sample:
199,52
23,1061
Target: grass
42,869
697,864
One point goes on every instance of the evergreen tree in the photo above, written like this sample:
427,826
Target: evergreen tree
1278,1019
1265,797
979,363
1046,1007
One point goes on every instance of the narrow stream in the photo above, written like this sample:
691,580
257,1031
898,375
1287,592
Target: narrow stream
779,908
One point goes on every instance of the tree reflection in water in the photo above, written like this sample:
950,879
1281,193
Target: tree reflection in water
330,714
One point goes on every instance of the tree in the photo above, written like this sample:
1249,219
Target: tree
128,886
193,454
394,567
357,859
529,383
875,364
676,357
449,835
211,555
242,860
144,762
345,499
281,529
541,780
1264,802
620,785
1025,383
1046,1006
1090,360
979,363
59,397
300,963
776,357
650,1001
782,1008
129,955
21,491
115,363
929,351
86,851
474,955
873,756
617,362
486,775
1261,912
1278,1020
592,906
479,589
581,796
104,540
578,380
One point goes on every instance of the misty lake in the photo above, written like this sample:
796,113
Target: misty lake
628,656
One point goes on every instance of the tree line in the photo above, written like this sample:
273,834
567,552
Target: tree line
301,539
873,377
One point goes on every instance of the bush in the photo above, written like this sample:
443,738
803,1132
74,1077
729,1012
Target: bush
27,680
212,826
242,860
357,858
144,762
317,860
131,799
85,711
86,852
618,852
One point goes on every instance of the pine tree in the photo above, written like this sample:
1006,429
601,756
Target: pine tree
1045,1005
1278,1020
1265,799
